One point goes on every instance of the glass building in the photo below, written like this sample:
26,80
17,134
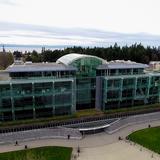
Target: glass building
73,82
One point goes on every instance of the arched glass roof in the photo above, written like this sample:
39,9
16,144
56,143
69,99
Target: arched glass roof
69,58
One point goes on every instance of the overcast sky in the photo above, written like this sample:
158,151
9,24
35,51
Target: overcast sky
80,22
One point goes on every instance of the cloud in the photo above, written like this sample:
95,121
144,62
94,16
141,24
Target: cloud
35,34
7,2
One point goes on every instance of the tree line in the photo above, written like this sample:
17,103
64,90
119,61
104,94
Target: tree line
136,52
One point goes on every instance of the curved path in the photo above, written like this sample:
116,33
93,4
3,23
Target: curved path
95,140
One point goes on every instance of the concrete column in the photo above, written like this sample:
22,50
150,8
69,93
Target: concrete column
120,92
0,102
104,93
33,99
117,71
135,88
148,87
12,102
34,113
73,109
1,114
121,89
132,71
158,93
53,98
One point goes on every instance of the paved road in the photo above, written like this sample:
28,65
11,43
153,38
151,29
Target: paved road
89,141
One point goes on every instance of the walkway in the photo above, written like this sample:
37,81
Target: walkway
89,141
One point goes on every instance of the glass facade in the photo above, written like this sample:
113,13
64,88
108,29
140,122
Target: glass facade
39,99
80,83
86,81
127,91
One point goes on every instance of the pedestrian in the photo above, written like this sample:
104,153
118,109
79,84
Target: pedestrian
78,150
16,143
26,147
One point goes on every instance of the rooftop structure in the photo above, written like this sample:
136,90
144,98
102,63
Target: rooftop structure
70,58
121,64
35,67
154,65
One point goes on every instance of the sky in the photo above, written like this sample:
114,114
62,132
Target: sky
80,22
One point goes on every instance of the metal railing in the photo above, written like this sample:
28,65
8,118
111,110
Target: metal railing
74,121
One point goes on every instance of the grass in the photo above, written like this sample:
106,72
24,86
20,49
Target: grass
88,112
36,121
149,138
42,153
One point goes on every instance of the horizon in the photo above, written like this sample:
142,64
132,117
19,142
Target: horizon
38,48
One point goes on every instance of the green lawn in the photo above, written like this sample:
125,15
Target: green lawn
42,153
149,138
88,113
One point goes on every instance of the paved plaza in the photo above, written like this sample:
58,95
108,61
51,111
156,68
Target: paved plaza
117,151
